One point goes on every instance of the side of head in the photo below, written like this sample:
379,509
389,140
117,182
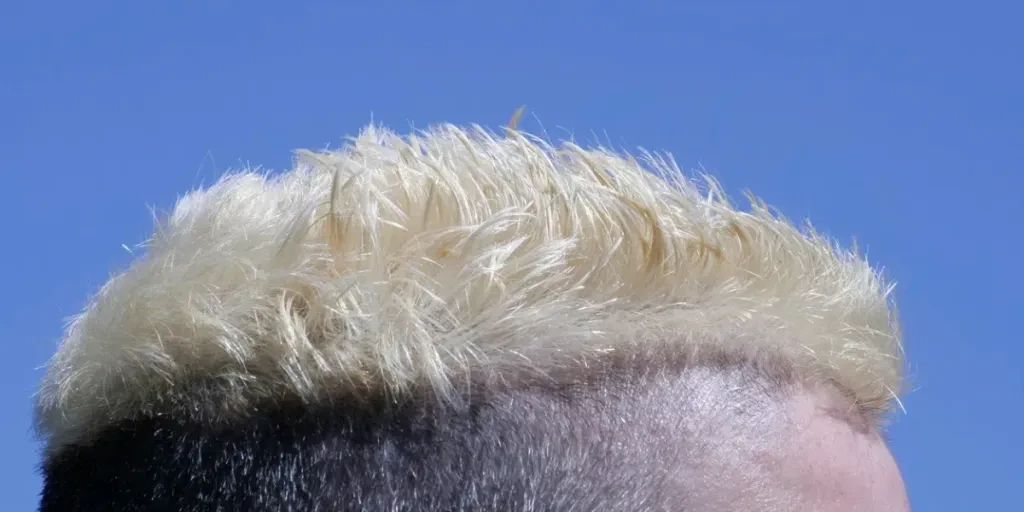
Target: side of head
453,320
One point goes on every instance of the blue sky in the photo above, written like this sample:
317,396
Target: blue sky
900,124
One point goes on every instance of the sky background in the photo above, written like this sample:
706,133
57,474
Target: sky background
898,124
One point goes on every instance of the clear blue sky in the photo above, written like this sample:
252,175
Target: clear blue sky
898,123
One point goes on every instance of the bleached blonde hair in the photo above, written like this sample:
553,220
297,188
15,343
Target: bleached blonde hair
404,261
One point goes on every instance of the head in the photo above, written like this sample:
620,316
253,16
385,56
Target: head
454,320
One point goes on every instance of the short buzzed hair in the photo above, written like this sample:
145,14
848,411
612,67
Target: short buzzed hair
450,320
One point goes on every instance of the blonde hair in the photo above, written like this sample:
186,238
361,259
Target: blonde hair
397,262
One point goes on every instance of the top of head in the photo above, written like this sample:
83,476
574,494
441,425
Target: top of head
413,262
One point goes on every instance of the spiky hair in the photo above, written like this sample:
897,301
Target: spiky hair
428,260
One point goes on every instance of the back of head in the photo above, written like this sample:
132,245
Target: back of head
454,320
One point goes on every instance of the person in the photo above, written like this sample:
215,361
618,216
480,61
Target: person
457,319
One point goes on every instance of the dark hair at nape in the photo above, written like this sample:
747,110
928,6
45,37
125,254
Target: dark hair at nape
611,444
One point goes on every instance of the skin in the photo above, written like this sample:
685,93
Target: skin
836,461
826,458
